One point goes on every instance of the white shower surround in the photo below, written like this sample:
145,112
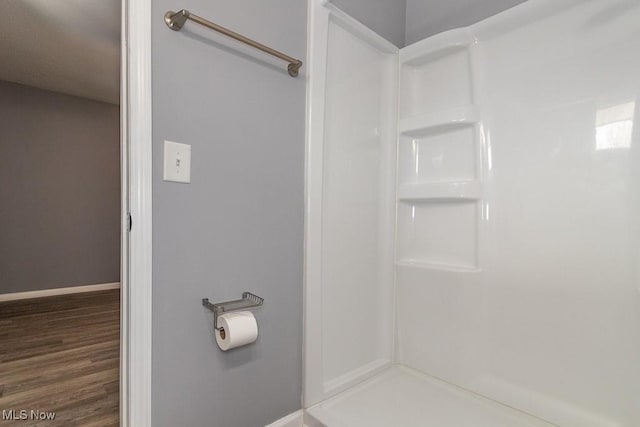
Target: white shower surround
516,272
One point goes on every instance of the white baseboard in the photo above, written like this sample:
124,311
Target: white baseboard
291,420
59,291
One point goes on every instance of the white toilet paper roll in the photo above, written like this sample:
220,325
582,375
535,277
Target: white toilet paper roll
237,329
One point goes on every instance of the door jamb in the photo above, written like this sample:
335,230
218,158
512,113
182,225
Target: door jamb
136,206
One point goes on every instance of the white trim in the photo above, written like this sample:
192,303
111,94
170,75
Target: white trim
291,420
137,336
316,66
124,219
58,291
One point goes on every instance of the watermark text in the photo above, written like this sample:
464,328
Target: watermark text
27,415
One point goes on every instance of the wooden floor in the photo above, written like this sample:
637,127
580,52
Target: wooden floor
61,354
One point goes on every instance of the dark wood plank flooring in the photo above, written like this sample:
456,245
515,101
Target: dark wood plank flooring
61,354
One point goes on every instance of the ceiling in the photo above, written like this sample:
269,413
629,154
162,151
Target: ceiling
67,46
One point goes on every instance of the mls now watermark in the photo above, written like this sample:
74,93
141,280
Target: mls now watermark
24,415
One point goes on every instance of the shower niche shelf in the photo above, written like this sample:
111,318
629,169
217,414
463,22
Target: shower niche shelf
440,191
438,232
443,268
440,120
438,188
438,155
436,77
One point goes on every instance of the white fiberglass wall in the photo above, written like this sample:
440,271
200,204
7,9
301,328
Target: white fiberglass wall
518,247
516,202
351,212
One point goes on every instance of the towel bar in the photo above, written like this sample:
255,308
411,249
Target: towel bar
176,20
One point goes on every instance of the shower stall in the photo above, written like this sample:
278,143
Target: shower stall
473,221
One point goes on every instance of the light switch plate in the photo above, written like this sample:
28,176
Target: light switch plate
177,162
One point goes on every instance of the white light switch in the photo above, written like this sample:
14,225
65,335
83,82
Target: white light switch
177,162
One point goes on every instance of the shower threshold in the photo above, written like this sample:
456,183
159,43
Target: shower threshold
404,397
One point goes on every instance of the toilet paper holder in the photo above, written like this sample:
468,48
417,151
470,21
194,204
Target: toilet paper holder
248,301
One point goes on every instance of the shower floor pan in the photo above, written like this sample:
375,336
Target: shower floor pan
404,397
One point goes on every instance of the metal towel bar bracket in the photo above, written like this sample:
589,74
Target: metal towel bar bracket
176,20
248,301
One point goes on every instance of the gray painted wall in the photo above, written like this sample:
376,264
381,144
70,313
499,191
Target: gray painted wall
239,224
60,191
403,22
386,17
428,17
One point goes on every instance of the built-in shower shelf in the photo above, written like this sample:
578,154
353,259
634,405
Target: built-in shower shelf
433,122
417,264
438,232
463,190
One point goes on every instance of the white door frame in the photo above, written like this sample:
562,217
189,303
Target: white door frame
136,173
